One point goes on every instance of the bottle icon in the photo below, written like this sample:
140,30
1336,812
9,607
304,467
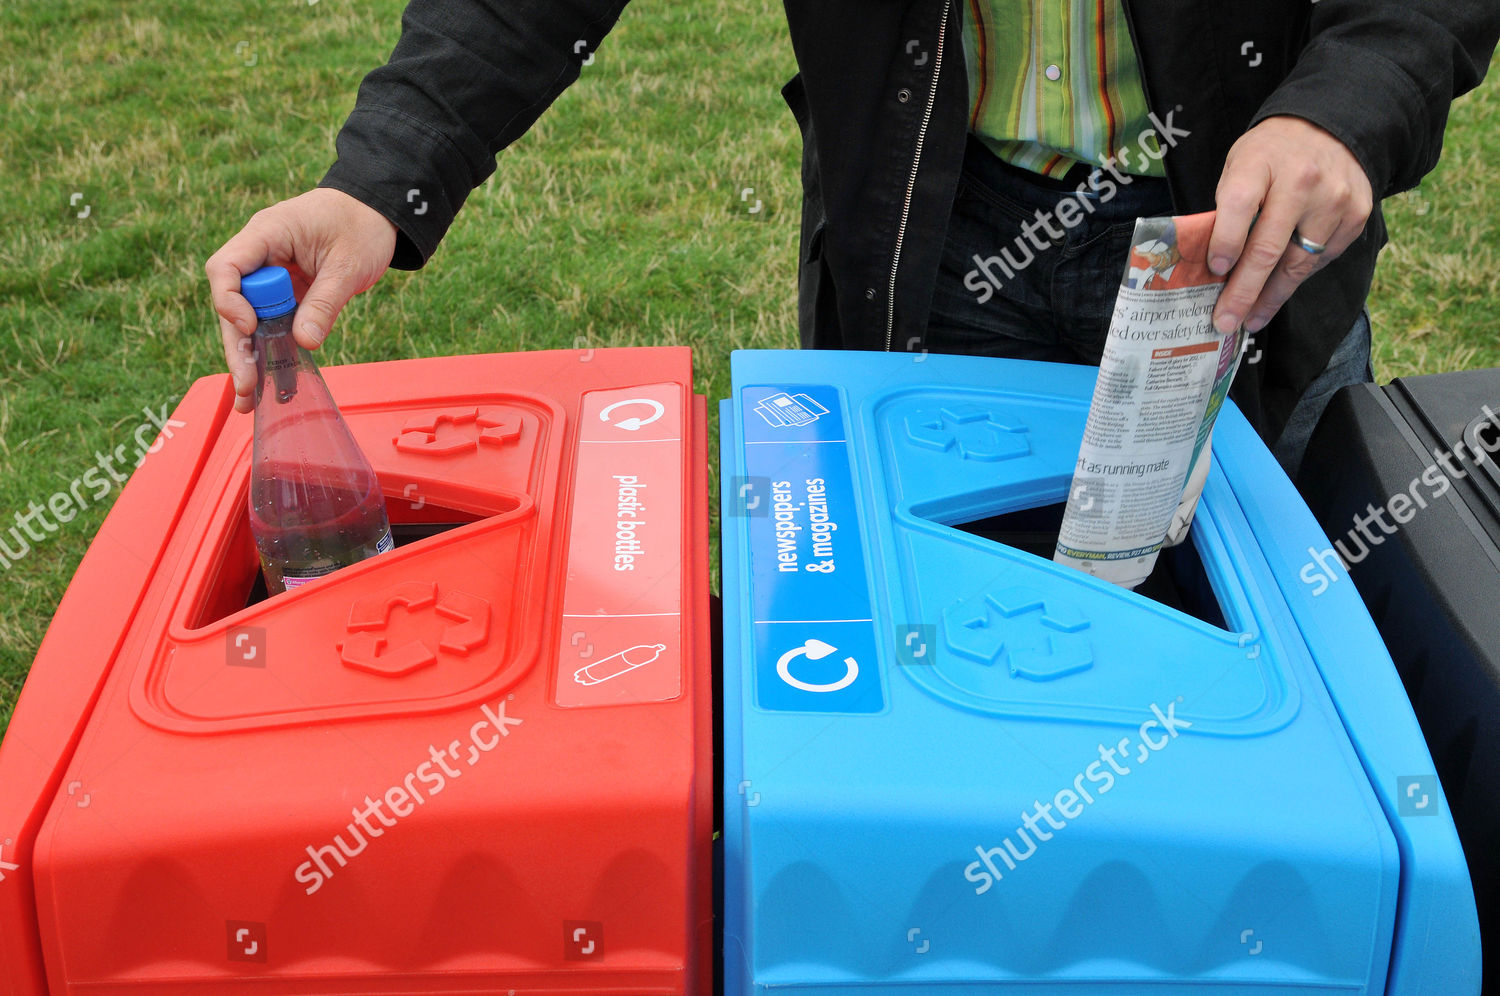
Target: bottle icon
315,503
618,664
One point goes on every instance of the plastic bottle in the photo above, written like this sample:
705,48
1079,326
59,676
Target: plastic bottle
315,503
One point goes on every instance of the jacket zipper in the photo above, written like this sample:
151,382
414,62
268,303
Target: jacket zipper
911,184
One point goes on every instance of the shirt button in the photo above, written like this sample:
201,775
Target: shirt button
904,96
1054,72
869,293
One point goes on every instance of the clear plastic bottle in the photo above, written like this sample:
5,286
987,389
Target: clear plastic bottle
315,503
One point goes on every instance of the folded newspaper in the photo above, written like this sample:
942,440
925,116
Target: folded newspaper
1162,380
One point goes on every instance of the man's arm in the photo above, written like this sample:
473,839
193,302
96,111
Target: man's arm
1360,117
1380,76
466,79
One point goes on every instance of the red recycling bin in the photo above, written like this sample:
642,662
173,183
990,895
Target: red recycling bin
481,762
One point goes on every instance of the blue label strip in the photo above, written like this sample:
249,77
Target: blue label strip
814,633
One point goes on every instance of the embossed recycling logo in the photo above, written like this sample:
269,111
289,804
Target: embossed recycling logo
469,428
973,432
463,624
1036,636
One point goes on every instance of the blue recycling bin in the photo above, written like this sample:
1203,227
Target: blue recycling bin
954,766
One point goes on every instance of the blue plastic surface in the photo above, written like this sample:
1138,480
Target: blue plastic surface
954,766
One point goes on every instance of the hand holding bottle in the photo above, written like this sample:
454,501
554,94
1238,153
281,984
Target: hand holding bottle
333,245
315,503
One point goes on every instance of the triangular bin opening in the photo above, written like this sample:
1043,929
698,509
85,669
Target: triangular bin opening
1178,581
239,581
402,534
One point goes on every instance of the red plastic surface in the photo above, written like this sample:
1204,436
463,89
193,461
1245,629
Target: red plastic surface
479,763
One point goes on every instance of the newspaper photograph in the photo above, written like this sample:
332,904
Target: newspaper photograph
1162,380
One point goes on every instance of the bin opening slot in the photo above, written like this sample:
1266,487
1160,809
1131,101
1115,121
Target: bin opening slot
1178,580
239,582
402,533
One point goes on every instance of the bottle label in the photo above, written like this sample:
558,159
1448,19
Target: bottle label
298,580
383,545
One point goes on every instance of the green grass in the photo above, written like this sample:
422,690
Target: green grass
1433,305
612,223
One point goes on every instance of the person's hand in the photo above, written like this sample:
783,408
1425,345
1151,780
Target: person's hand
334,247
1300,179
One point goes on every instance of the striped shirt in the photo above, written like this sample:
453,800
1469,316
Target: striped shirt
1056,82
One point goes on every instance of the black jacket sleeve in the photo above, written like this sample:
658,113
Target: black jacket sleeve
1380,74
466,79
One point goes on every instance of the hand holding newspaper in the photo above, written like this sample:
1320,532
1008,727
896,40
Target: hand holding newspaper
1162,380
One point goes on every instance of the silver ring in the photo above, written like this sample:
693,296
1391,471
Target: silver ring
1308,245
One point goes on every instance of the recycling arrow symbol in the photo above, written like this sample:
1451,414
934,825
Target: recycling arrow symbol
634,422
421,433
973,431
366,650
1038,636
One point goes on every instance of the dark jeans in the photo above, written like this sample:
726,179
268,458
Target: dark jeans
1054,303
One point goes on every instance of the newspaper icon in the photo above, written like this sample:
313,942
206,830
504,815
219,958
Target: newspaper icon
790,409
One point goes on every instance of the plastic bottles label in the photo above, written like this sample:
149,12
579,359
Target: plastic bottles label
621,636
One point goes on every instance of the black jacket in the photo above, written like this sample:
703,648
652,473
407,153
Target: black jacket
882,102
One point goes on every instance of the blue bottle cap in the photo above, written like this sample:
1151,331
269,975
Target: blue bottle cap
269,291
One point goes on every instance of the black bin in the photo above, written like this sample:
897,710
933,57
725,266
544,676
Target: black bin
1428,568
